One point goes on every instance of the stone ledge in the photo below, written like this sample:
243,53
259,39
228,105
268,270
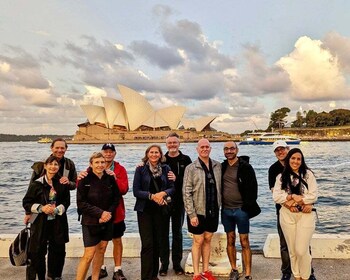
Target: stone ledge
323,246
75,247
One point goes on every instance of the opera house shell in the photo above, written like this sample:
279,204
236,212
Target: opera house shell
135,119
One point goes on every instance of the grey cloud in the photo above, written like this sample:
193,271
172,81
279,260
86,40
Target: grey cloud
164,57
257,77
339,46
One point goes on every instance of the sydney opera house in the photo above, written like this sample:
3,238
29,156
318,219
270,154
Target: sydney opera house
134,119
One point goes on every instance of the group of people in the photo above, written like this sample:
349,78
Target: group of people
166,187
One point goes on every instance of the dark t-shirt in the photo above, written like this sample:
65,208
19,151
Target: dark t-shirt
231,196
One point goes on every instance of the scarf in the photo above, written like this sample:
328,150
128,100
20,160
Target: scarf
156,171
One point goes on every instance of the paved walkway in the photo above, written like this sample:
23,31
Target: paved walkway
263,269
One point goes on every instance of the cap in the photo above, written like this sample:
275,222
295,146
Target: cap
108,146
279,143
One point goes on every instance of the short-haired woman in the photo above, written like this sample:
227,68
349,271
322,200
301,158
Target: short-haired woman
97,198
151,187
296,189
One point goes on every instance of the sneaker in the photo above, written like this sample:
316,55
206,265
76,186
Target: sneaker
286,276
179,270
103,274
119,275
248,277
197,277
234,274
312,277
207,275
163,271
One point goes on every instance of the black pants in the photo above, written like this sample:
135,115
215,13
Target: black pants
177,221
149,228
55,259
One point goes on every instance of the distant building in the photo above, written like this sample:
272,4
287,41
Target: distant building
135,118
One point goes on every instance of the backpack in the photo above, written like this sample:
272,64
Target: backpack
19,247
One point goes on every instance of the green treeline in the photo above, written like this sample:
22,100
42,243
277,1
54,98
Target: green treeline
310,119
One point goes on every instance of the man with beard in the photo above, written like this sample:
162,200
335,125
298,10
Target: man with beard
239,195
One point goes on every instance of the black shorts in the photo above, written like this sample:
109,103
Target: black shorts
92,235
118,229
209,224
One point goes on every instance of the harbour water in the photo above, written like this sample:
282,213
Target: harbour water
330,162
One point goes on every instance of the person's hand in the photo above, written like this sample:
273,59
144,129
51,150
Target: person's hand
26,219
105,217
110,172
294,209
289,203
159,198
48,209
64,180
307,208
298,199
82,175
194,222
171,176
140,164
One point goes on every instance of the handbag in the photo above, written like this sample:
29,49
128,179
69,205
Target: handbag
18,251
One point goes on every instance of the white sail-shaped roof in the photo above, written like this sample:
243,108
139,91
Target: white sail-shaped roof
172,115
95,113
137,107
202,122
115,112
155,120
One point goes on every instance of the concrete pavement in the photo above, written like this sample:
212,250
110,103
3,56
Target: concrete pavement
263,269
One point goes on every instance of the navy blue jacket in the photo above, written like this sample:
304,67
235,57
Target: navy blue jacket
141,185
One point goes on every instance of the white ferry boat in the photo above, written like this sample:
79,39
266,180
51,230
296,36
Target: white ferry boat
267,138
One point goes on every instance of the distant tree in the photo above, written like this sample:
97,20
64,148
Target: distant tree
324,119
277,118
310,118
340,116
299,120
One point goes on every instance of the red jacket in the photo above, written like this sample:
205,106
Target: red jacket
123,185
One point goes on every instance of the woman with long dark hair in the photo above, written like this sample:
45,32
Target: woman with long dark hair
296,190
47,198
151,187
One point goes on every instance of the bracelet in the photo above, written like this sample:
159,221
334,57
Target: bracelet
150,196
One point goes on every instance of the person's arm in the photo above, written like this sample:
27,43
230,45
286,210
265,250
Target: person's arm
137,185
279,195
64,203
122,180
311,195
187,193
116,195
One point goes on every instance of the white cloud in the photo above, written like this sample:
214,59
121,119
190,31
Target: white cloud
314,72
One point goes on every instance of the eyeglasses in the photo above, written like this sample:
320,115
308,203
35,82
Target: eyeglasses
280,149
226,149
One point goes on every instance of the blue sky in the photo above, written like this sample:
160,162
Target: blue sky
237,60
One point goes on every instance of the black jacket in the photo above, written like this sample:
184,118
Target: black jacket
178,165
247,185
38,193
95,195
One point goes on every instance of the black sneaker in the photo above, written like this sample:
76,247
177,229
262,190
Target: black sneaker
248,277
119,275
286,276
103,274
